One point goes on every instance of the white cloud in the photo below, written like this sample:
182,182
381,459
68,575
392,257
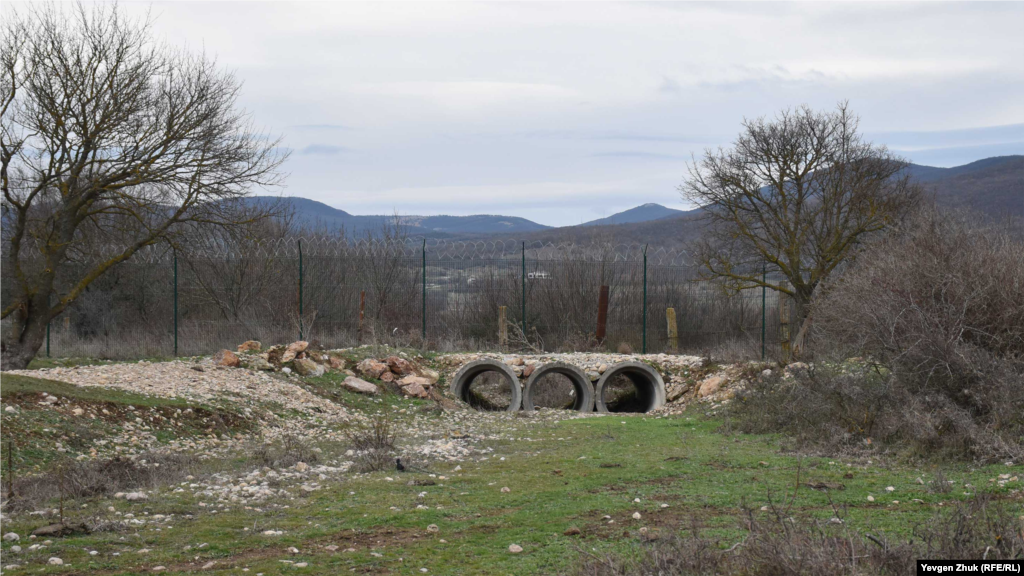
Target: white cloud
554,110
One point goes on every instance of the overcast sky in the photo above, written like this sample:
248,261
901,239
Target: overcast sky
562,113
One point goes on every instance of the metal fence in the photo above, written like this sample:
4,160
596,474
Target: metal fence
433,294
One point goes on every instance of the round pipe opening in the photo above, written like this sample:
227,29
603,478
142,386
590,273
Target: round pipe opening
630,387
542,388
487,385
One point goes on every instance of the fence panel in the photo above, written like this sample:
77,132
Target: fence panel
433,294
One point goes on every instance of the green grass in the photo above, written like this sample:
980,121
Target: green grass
13,386
35,430
557,481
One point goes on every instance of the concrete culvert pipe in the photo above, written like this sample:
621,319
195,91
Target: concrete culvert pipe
497,385
582,397
648,394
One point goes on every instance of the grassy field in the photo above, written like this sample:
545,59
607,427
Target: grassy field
590,474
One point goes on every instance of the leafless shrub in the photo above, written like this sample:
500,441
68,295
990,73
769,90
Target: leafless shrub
940,484
781,546
379,434
941,306
374,460
72,479
289,452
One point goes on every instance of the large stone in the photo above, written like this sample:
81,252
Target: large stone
528,369
336,362
60,530
388,377
293,350
306,367
711,384
431,375
260,363
414,391
274,355
400,366
250,346
359,385
371,368
417,380
675,391
226,358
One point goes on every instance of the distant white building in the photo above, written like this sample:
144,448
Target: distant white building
539,275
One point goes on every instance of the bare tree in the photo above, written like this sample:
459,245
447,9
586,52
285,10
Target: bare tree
110,143
795,194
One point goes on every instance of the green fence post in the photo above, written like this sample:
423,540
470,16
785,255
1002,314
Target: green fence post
524,289
175,259
644,348
300,289
764,276
424,279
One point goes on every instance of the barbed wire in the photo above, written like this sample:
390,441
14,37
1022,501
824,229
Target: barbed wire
434,250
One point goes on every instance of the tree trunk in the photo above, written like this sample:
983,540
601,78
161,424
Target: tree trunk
18,352
803,318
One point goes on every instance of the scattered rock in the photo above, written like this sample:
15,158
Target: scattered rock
400,366
293,350
60,530
359,385
711,384
307,367
515,548
249,346
133,496
574,531
11,537
418,380
433,528
55,561
414,391
371,368
226,358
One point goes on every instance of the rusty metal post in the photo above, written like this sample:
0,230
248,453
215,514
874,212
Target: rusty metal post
502,327
673,330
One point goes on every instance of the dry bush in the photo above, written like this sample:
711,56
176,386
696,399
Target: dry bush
379,434
938,311
289,452
375,461
374,443
780,546
76,479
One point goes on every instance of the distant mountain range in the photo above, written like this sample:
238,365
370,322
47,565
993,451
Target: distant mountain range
644,213
317,215
993,186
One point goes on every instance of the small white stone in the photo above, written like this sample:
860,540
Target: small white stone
11,537
515,548
505,489
301,564
55,561
636,515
